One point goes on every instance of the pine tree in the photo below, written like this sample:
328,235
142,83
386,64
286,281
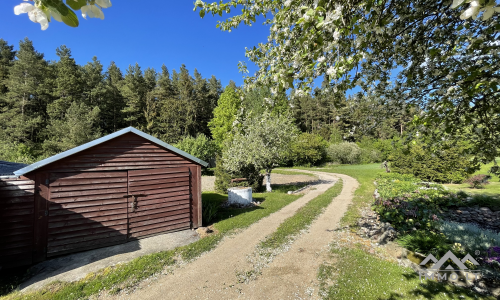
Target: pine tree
78,126
134,92
23,116
69,85
7,55
113,115
150,101
202,104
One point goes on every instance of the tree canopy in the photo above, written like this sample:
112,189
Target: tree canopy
440,55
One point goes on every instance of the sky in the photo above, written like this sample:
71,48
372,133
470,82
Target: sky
158,32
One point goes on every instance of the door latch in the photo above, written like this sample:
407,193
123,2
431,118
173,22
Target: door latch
134,203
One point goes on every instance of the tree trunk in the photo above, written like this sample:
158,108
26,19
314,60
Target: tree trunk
268,180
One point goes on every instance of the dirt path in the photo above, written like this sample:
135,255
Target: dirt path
213,276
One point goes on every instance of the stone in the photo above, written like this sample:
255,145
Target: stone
485,209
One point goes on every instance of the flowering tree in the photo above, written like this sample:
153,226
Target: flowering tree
263,142
43,11
440,54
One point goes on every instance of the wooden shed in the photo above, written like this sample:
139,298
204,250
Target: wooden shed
126,185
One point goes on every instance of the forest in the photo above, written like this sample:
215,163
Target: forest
47,107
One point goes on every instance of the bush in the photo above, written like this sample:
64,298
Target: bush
223,178
478,181
470,236
369,154
19,153
344,153
386,147
426,242
201,147
308,150
447,164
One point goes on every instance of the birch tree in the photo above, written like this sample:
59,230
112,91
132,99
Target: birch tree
263,142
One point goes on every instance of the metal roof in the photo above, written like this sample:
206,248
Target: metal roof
7,168
106,138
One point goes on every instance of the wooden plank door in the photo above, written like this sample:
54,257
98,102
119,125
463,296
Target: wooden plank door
158,201
86,210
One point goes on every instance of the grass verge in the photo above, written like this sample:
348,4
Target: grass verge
363,196
124,276
302,218
356,274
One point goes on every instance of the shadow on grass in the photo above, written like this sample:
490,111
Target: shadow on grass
284,188
11,278
226,212
429,289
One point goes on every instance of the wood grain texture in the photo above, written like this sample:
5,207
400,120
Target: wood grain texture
16,221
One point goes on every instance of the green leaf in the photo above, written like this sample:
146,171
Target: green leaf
202,13
70,19
76,4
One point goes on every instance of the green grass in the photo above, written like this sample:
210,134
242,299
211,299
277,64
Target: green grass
363,196
302,218
128,274
488,196
356,274
286,172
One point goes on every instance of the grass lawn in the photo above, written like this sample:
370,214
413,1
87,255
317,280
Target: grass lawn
286,172
302,218
125,275
355,274
489,195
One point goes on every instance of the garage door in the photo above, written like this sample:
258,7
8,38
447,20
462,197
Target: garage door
86,210
158,201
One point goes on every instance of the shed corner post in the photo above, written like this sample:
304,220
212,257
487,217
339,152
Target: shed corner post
41,215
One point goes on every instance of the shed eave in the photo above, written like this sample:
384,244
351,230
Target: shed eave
101,140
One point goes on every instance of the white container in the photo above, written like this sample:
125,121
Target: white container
240,195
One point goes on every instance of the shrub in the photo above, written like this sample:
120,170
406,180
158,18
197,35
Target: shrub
447,164
308,150
344,153
426,242
386,147
201,147
370,156
472,237
19,153
478,181
223,178
209,211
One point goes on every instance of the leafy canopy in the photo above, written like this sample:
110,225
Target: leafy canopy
262,142
440,55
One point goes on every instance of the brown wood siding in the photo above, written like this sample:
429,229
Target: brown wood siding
79,203
164,204
16,221
86,210
126,152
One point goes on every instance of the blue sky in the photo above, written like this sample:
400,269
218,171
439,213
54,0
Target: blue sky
156,33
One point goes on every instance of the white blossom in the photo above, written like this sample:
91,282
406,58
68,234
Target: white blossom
35,14
321,59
